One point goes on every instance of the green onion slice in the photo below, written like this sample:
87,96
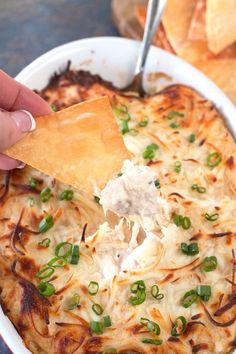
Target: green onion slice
96,327
53,107
189,298
157,184
152,341
133,132
214,159
31,201
173,114
98,309
121,112
45,195
46,289
212,217
57,262
107,321
143,123
191,138
137,285
124,127
179,326
74,302
93,288
174,125
67,194
191,249
45,273
155,292
75,255
177,166
183,221
109,351
45,242
204,292
198,188
150,151
33,182
153,327
209,264
138,288
63,249
46,223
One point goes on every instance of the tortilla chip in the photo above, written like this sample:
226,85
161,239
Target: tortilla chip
79,145
220,24
223,73
197,28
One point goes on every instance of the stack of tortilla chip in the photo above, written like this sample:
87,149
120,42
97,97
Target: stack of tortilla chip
202,32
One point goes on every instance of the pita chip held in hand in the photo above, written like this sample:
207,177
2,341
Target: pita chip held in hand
80,145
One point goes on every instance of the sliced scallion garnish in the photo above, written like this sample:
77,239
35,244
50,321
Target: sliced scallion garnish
204,292
93,288
155,292
153,327
31,201
121,112
212,217
199,189
183,221
214,159
67,194
174,114
98,309
57,262
124,127
191,249
152,341
63,249
46,223
209,264
45,195
45,242
139,289
179,326
143,123
75,255
109,351
107,321
157,184
96,327
174,125
150,151
46,289
177,166
74,302
33,182
45,273
133,132
189,298
54,107
191,138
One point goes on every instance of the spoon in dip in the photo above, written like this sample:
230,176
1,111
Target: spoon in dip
154,11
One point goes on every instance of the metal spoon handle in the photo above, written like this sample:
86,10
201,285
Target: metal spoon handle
154,12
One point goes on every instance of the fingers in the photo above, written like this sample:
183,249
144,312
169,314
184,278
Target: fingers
15,96
6,163
13,127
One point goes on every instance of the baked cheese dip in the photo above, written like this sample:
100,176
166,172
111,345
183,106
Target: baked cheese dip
146,266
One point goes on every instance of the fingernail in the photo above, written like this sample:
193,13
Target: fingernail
24,120
21,165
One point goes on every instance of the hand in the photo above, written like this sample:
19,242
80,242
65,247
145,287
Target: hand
18,105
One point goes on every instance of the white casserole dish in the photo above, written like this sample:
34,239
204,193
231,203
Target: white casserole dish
113,59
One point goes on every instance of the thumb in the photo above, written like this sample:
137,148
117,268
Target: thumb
13,127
